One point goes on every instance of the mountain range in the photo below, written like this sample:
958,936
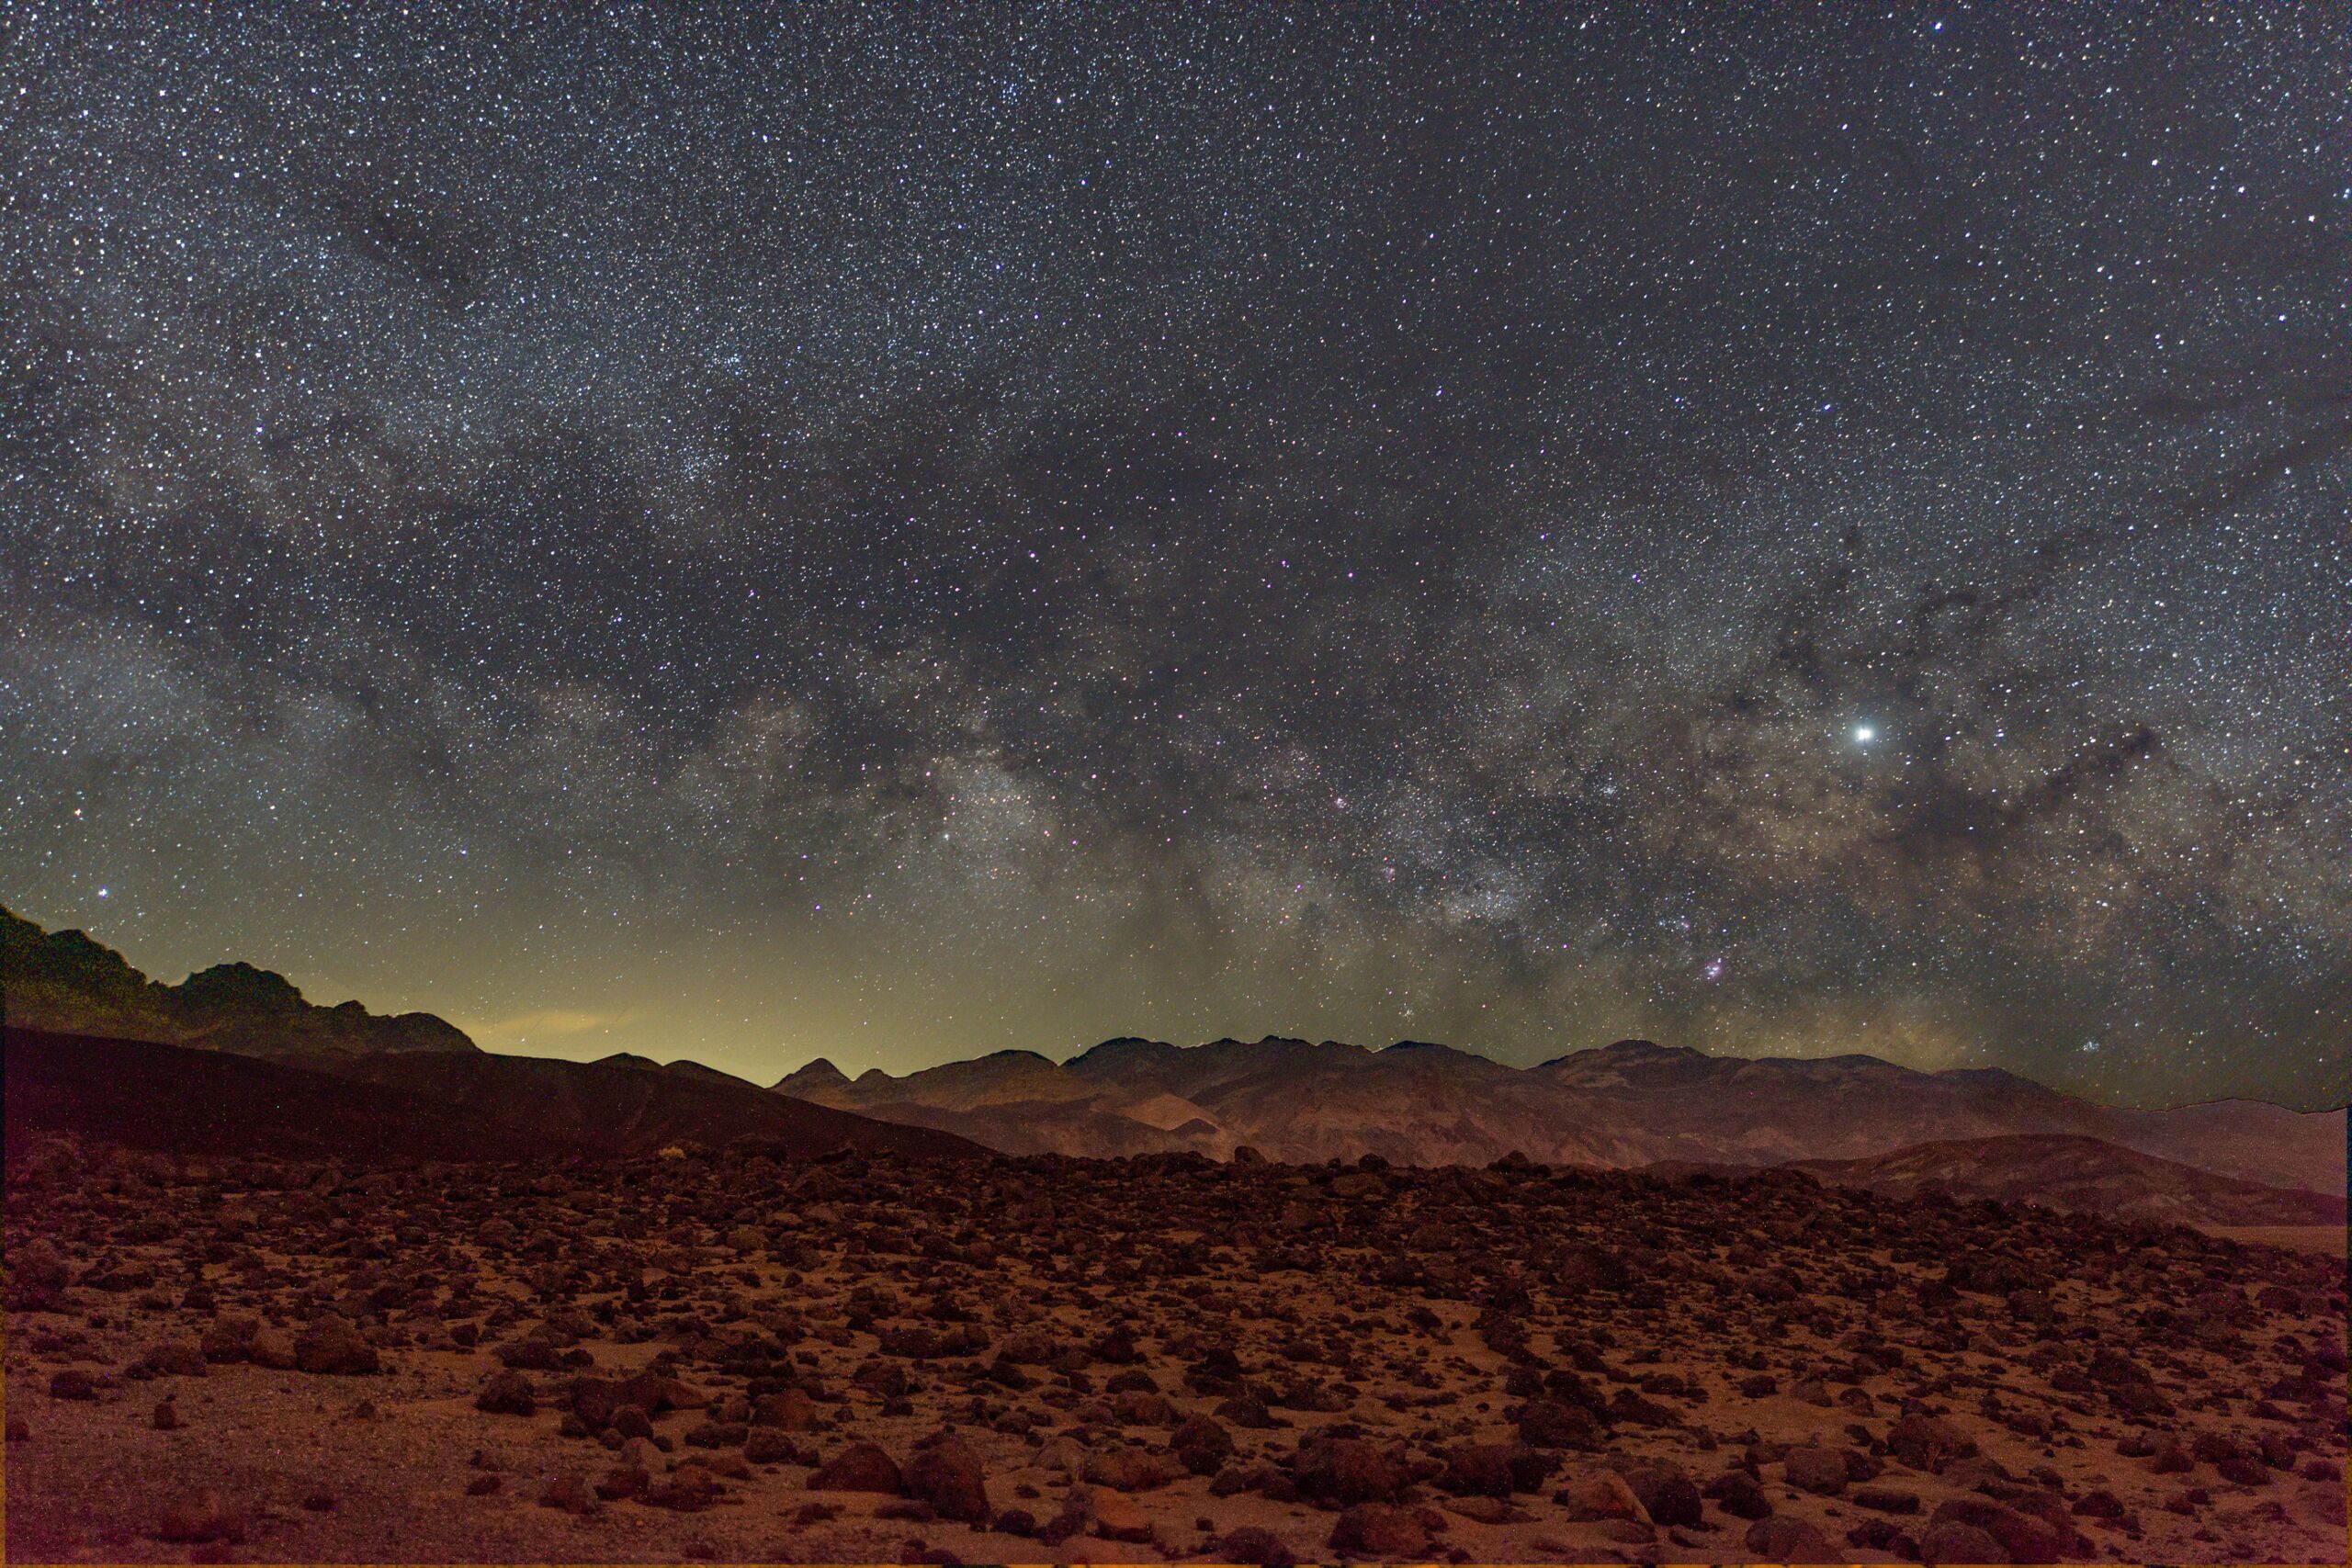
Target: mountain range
66,982
152,1066
233,1060
1628,1104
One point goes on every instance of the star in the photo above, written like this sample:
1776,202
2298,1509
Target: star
1185,528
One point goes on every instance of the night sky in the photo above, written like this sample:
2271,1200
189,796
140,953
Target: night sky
895,534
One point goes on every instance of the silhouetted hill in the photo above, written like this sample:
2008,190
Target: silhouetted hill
438,1106
66,983
196,1101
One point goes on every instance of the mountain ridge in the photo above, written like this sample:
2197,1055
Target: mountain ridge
67,983
1628,1103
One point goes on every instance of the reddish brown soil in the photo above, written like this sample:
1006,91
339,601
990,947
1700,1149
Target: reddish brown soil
1149,1359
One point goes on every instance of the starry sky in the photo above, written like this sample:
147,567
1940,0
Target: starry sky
897,533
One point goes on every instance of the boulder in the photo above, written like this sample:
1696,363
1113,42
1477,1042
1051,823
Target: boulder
1784,1540
1819,1471
330,1347
1928,1442
1949,1541
507,1392
1379,1530
861,1467
1341,1472
948,1475
1601,1494
173,1358
1126,1468
1557,1424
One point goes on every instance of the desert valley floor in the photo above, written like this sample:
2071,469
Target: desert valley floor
727,1356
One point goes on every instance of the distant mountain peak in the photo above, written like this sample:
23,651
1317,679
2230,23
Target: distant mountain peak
71,984
1632,1050
685,1067
1128,1046
240,984
1639,1047
821,1070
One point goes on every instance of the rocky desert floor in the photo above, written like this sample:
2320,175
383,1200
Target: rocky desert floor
729,1357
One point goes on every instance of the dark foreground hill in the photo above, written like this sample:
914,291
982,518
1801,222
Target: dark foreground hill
175,1098
618,1108
423,1106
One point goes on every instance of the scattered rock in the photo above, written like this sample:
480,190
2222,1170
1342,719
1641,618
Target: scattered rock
507,1392
1601,1494
1784,1540
1949,1541
948,1475
569,1491
1739,1494
1556,1424
1254,1546
174,1358
1928,1442
330,1347
1116,1516
1345,1471
861,1467
1379,1530
1819,1471
200,1516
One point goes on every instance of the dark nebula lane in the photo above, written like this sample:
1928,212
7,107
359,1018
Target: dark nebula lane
895,534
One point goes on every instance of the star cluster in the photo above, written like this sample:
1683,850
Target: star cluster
894,532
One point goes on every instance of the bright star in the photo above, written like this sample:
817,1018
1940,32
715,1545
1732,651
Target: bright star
1864,734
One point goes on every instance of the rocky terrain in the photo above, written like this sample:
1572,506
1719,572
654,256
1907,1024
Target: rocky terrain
733,1355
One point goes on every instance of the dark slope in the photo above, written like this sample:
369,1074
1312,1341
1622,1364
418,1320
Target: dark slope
188,1100
619,1108
415,1107
2079,1174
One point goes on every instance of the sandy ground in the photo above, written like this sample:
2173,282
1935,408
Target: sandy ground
1405,1317
2328,1240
